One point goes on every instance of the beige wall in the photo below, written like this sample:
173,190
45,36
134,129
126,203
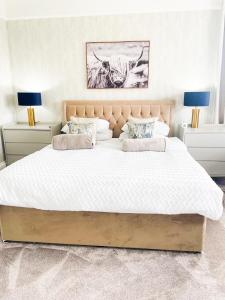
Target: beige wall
48,55
55,8
2,9
7,106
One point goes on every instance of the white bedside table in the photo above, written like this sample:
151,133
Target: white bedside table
207,145
21,140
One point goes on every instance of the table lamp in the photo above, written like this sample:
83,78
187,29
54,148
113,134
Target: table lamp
29,99
196,99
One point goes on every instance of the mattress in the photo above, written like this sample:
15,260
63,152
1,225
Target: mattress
106,179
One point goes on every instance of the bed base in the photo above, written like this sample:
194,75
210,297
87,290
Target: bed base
143,231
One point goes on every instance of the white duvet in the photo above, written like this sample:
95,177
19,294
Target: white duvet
107,179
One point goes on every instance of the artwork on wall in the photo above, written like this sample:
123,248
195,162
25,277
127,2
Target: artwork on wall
117,64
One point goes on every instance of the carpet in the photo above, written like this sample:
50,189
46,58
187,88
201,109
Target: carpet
32,271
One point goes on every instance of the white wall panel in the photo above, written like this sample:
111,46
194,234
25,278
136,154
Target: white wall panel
7,106
53,8
48,55
2,9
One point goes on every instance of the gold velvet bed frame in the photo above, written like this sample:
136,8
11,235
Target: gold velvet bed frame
146,231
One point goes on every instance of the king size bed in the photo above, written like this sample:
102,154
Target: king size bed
107,197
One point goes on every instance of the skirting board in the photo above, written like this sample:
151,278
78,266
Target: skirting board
145,231
2,165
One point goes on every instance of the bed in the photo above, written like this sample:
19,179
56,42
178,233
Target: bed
105,197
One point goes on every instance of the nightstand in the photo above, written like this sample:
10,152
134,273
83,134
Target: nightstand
21,140
207,146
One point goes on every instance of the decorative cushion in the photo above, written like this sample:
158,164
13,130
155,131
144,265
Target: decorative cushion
137,145
81,128
101,124
140,130
72,142
125,127
88,129
160,128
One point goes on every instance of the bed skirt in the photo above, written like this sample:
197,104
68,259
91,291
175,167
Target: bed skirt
143,231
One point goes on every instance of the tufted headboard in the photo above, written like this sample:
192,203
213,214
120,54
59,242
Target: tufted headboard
117,112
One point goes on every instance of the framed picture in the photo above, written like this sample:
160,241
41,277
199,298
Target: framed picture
117,64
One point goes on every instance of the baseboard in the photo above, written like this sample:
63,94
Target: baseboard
2,165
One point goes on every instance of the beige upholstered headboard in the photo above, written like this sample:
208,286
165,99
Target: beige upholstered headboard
117,112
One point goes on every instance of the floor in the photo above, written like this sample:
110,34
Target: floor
64,272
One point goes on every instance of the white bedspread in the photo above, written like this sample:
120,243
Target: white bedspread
107,179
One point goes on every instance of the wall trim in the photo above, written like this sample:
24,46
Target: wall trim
2,165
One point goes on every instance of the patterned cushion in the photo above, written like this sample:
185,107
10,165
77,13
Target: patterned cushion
88,129
140,130
85,128
125,127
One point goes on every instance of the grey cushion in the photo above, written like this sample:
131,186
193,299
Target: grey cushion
137,145
72,142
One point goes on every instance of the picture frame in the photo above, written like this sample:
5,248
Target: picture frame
119,64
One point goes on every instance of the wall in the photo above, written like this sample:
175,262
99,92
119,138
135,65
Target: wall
2,9
6,98
53,8
222,87
49,55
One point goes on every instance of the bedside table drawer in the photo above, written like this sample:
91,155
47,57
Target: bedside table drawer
211,154
27,136
204,140
13,158
22,149
213,168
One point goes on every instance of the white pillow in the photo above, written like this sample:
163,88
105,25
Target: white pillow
78,120
161,128
102,125
142,120
104,135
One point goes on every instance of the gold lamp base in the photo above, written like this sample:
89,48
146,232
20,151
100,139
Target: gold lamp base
31,116
195,118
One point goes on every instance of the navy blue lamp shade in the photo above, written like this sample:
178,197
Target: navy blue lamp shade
196,98
29,99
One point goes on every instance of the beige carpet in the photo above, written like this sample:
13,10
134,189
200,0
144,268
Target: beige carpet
83,273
